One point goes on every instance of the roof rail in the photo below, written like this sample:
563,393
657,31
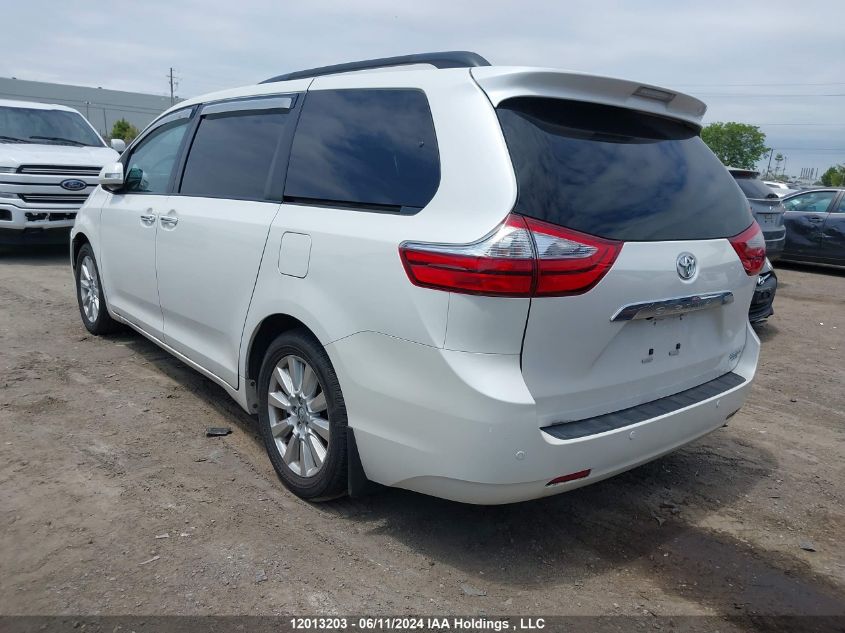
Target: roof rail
444,59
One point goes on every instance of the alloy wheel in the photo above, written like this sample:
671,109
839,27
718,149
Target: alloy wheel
299,421
89,289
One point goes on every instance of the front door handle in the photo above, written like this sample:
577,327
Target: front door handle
148,219
815,219
169,221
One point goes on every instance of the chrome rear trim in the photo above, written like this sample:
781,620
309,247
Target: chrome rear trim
671,307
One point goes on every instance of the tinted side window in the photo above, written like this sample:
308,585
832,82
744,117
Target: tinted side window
815,201
151,162
232,153
618,173
365,148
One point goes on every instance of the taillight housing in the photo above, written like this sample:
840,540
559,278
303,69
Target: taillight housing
523,257
750,245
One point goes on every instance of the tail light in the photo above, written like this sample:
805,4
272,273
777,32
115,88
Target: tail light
750,245
521,258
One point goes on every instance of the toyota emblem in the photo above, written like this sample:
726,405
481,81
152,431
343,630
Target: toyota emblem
686,266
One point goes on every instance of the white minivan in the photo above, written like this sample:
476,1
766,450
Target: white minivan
488,284
50,158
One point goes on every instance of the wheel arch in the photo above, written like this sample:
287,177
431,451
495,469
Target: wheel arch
265,333
79,240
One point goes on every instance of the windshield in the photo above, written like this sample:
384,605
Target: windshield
618,173
754,189
46,127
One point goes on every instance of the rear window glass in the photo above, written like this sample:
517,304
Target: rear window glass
231,155
754,189
364,149
617,173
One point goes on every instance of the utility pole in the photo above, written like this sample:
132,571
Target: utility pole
769,168
173,84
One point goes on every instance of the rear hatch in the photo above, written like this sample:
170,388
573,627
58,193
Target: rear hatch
649,184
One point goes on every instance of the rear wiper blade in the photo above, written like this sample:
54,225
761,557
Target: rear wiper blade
13,139
59,139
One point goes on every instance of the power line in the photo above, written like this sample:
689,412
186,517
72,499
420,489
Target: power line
767,95
95,104
837,83
814,124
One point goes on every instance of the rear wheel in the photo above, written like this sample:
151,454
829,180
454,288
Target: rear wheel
303,417
89,294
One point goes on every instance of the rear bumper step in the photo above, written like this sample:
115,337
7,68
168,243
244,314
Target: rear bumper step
643,412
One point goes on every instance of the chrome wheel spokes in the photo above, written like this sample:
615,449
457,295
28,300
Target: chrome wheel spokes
299,419
89,289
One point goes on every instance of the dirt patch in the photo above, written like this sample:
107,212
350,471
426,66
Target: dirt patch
113,501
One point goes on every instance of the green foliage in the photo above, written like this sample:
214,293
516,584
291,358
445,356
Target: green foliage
736,144
834,176
124,129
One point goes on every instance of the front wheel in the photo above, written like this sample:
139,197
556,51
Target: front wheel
89,294
303,417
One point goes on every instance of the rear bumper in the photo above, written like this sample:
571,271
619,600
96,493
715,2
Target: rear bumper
464,426
775,241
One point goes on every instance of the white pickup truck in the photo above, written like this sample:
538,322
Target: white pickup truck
50,157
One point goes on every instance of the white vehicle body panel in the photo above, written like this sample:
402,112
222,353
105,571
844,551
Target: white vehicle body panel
206,323
446,393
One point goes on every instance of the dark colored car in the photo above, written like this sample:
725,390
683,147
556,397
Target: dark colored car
815,226
766,207
764,295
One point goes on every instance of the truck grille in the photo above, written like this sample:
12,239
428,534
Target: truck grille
59,170
50,198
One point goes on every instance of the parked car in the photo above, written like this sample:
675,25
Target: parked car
764,295
50,158
460,281
766,207
815,226
781,189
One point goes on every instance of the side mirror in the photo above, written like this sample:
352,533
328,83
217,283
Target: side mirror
118,145
111,176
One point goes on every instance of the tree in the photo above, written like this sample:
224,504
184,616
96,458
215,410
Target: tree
736,144
124,129
834,176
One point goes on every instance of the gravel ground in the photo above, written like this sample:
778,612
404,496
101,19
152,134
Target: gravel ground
113,501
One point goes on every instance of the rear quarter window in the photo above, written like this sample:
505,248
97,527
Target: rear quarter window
367,149
618,173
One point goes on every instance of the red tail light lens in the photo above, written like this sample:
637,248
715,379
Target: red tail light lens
522,258
501,264
750,245
569,262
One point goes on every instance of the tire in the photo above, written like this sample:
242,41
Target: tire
305,440
89,294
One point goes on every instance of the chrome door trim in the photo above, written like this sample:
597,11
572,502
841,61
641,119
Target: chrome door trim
671,307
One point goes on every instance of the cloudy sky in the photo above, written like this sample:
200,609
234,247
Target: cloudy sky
780,65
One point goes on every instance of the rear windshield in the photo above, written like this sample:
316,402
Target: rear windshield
753,188
617,173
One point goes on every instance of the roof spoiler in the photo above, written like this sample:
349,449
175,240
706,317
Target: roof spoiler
502,83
